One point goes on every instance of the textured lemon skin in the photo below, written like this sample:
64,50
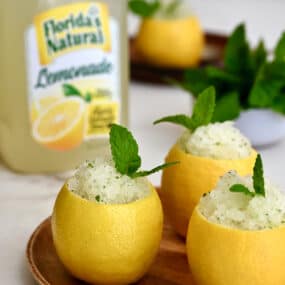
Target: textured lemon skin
183,184
176,43
223,256
106,244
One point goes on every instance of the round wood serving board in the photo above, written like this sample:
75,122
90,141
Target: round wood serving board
169,268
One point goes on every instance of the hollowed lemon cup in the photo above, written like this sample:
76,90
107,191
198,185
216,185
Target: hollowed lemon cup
106,244
176,43
219,255
183,184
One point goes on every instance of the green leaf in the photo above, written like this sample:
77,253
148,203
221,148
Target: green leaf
258,179
156,169
144,8
203,108
273,71
125,150
70,90
239,188
180,119
215,73
263,93
195,81
202,112
237,52
278,104
258,56
227,107
279,51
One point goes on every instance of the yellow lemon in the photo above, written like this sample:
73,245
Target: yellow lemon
106,243
220,255
183,184
41,104
176,43
61,126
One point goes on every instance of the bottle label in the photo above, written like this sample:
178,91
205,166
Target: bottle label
73,74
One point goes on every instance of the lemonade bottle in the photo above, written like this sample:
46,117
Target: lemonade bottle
63,78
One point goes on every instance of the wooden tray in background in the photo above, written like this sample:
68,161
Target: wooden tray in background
169,268
144,72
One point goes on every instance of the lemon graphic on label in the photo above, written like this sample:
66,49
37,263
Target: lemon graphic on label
61,126
40,105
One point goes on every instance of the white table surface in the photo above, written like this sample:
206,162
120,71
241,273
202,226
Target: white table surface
26,200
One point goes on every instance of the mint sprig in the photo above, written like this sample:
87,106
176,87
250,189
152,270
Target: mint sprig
202,112
257,80
144,8
125,153
258,181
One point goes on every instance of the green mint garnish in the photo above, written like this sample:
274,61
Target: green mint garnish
239,188
249,78
144,8
98,198
202,112
258,181
125,153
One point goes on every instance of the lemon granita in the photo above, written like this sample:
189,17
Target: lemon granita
243,211
216,140
99,181
206,151
248,203
107,220
237,230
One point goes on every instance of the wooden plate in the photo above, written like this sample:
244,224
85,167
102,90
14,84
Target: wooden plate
169,268
145,72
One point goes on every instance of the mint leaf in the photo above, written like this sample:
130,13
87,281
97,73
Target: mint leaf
202,112
125,153
278,104
203,108
215,73
195,81
144,8
227,107
239,188
125,150
180,119
258,180
258,56
70,90
156,169
279,51
263,93
237,52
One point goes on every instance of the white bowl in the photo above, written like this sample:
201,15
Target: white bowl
261,126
